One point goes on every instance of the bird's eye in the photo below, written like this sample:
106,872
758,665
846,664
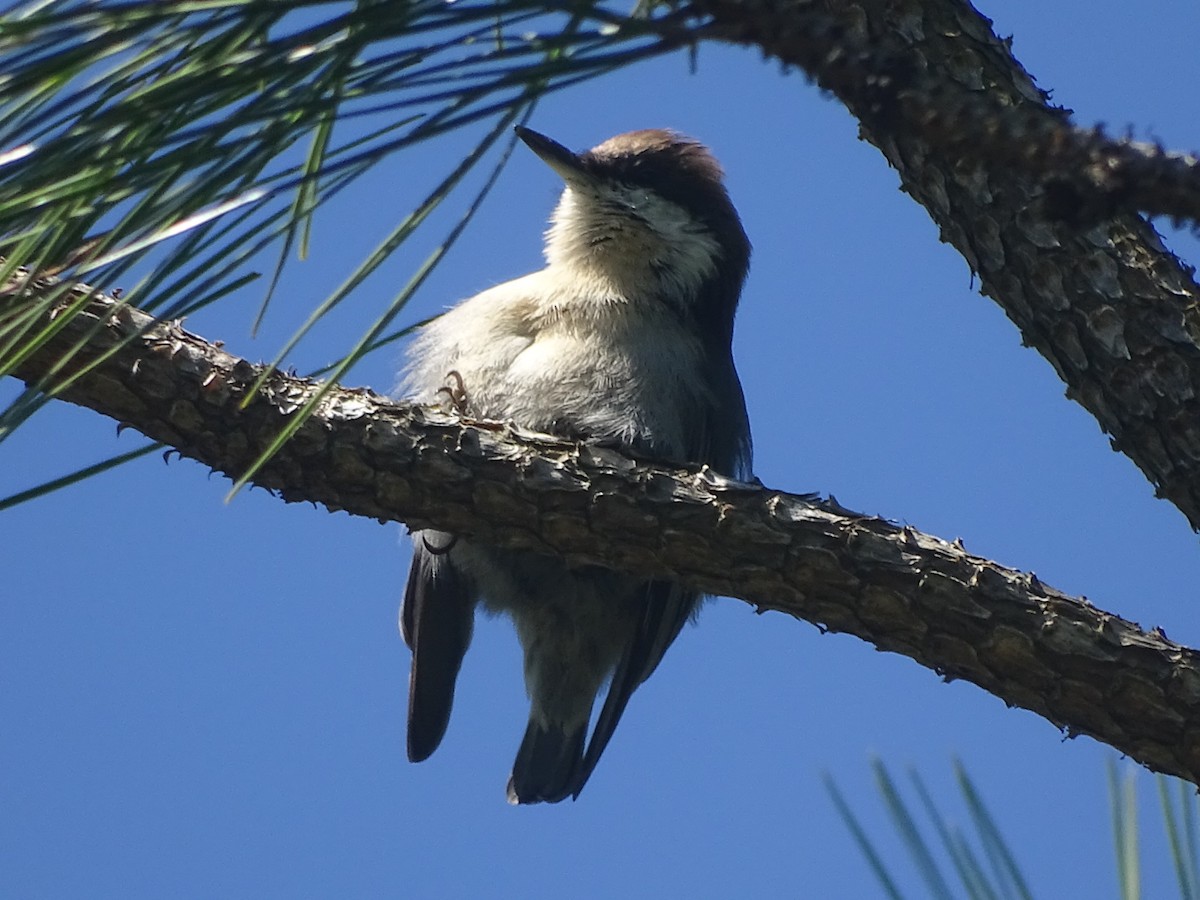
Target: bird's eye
638,200
633,197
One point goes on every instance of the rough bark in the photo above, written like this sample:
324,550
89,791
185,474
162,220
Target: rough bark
999,170
1085,670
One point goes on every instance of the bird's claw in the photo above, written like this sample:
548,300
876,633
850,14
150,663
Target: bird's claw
454,392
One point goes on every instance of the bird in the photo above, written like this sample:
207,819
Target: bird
624,338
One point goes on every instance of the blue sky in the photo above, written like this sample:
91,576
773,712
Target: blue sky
207,699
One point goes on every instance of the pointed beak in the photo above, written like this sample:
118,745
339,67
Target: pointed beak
555,155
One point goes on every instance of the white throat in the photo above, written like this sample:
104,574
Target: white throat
630,242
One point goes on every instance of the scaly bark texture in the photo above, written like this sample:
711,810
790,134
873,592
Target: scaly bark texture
976,143
1085,670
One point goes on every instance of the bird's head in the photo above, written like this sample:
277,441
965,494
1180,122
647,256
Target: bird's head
647,210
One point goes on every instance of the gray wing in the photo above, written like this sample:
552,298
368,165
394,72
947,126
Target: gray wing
436,619
724,439
723,442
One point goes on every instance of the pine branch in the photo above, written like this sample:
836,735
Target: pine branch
1085,670
1007,181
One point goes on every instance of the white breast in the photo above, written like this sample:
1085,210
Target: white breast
538,352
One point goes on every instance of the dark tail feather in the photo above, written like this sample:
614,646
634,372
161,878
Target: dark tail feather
547,764
436,620
667,608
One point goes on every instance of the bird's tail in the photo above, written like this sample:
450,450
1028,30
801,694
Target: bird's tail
548,765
